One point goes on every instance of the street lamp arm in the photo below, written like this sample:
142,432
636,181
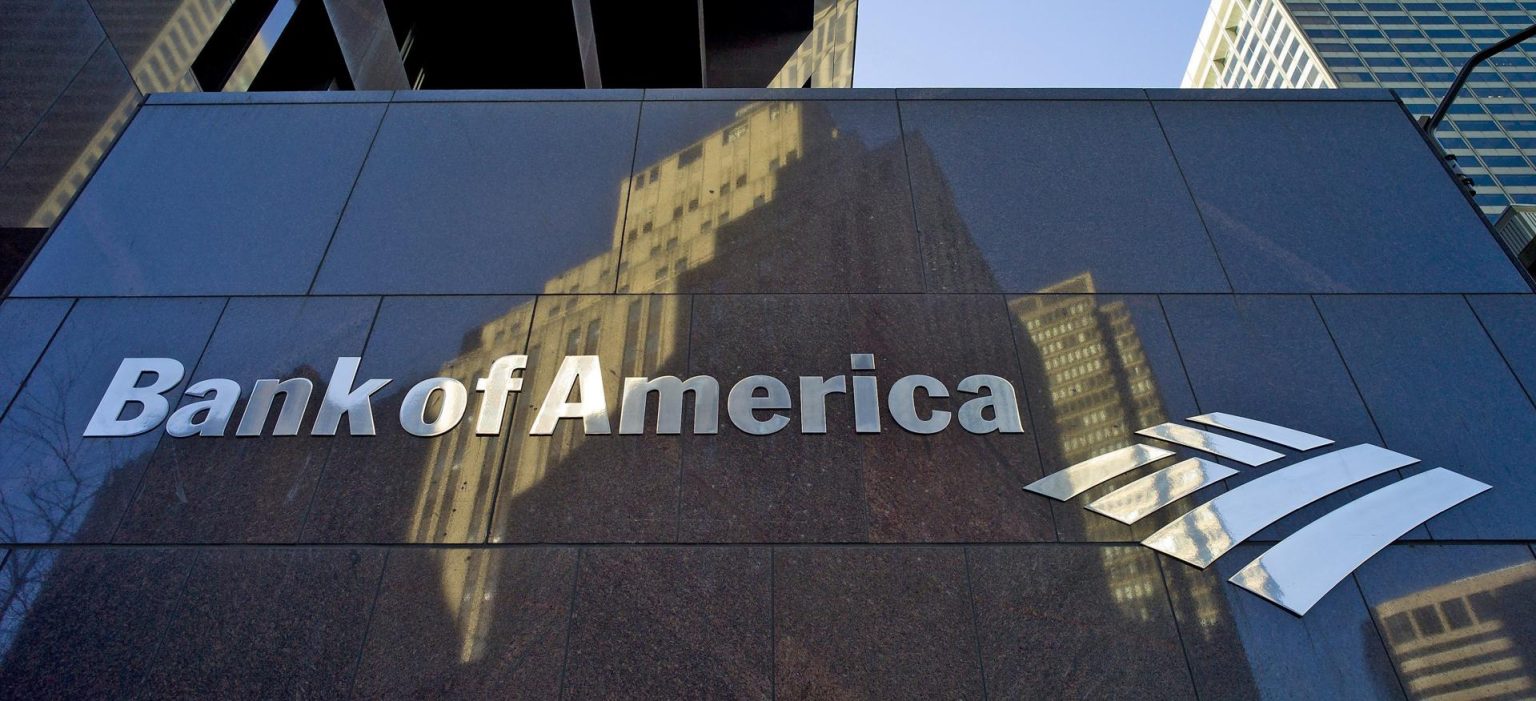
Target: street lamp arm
1433,121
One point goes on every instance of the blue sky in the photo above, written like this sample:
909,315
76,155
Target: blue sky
1025,43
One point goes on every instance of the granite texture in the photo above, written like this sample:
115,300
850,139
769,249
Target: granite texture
1075,622
39,179
54,40
1241,646
572,487
181,172
256,489
1510,321
804,196
1099,177
1272,356
300,621
1082,245
874,622
469,623
1440,391
1455,618
108,609
521,192
895,486
1138,381
399,488
30,325
1303,209
671,622
55,484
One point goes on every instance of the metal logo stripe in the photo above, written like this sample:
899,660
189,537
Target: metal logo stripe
1280,435
1221,446
1298,571
1072,481
1211,529
1134,501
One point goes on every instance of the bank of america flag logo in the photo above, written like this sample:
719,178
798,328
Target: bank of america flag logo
1298,571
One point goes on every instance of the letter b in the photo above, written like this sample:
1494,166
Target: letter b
124,390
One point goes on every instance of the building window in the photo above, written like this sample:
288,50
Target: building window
689,155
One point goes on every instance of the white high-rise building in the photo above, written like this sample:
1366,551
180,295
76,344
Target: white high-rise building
1413,48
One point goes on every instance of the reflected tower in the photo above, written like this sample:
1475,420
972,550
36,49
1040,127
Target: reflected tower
1456,641
1099,389
679,234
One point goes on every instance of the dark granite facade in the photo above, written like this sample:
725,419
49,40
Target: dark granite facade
1122,257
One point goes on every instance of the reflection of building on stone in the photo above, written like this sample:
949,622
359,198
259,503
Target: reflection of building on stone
1100,389
165,65
1458,641
678,204
458,485
81,164
825,58
171,42
677,207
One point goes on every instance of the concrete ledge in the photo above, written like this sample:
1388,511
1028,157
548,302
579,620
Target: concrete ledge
570,95
1222,94
267,98
1021,94
770,94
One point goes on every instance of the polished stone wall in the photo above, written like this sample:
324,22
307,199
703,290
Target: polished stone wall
1123,257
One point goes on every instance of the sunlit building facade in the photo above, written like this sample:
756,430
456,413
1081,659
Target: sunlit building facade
408,266
1412,48
78,70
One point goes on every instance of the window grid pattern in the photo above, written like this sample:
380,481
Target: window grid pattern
1254,44
1415,49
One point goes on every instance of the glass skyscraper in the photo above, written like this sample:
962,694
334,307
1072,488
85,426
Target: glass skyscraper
1413,48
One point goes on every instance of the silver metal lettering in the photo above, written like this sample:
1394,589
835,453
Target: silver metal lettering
902,401
1136,500
743,401
219,409
1000,396
123,390
1215,444
1208,531
669,404
866,395
1299,571
341,400
866,404
593,407
1069,482
496,385
413,409
813,401
296,393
